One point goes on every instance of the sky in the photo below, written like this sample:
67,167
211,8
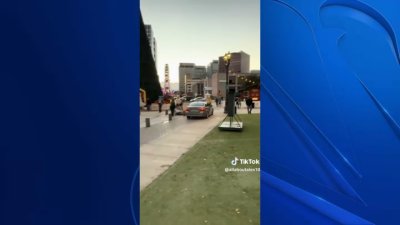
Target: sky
199,31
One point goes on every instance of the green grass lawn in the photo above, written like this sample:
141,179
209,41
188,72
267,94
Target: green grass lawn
197,190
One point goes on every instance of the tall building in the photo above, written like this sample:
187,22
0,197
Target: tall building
240,63
240,81
212,68
200,72
186,71
152,41
167,87
198,87
192,78
198,79
218,84
239,66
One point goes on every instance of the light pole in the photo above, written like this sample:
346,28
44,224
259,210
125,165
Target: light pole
227,59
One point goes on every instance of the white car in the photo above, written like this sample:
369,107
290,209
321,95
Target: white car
198,99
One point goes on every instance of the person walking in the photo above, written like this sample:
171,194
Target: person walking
237,100
178,103
160,103
208,99
172,107
249,104
219,98
148,104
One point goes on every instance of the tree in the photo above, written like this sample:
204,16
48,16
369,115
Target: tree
148,73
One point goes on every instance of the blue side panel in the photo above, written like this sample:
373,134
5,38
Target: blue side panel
69,81
331,112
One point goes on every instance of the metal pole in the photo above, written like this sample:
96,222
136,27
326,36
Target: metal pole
227,59
226,86
236,83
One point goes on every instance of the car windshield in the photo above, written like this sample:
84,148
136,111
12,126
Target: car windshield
197,104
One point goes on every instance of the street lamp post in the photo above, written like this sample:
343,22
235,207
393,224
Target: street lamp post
227,59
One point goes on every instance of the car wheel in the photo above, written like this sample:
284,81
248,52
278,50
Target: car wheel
188,117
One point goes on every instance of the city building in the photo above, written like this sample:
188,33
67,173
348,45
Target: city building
152,41
218,84
192,79
240,63
240,81
197,86
186,71
200,72
197,82
212,68
200,80
244,81
240,75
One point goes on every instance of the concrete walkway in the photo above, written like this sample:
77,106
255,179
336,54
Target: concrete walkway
164,142
155,116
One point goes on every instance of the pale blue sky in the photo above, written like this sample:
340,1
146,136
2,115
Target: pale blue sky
198,31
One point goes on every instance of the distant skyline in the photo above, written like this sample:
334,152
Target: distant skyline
194,31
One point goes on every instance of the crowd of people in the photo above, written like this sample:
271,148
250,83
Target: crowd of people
177,103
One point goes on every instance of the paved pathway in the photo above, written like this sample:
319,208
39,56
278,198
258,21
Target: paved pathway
165,141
